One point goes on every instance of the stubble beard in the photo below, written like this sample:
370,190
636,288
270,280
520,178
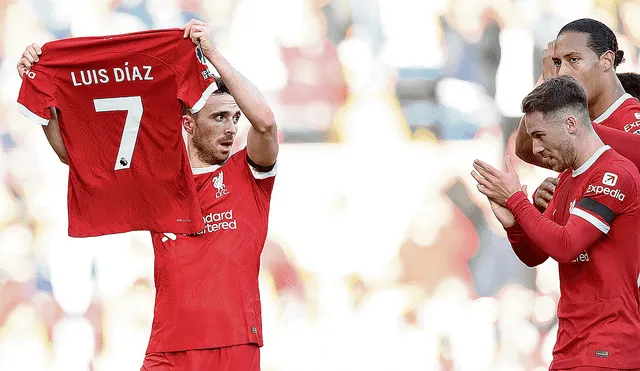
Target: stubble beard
206,151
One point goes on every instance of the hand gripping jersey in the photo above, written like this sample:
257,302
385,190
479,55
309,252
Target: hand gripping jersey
207,283
119,107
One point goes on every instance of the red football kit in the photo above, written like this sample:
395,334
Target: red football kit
119,107
207,283
624,143
591,229
623,114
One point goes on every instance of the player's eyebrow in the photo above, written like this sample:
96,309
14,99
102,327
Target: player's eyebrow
571,53
225,113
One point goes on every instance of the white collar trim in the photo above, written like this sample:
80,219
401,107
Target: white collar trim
204,170
594,157
605,115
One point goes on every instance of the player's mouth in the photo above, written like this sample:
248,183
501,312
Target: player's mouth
226,143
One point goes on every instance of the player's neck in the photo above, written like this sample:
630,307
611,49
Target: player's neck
194,159
196,162
588,147
607,98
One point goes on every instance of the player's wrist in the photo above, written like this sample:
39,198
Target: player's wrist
515,198
213,55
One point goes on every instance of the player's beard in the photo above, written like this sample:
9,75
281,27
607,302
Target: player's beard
207,150
567,156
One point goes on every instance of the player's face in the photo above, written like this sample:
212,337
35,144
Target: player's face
215,128
551,140
574,58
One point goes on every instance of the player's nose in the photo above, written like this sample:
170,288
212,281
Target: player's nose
231,128
564,70
537,148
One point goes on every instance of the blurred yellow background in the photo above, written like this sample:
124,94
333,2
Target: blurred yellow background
381,254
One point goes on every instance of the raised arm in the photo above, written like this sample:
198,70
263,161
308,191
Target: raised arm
52,132
262,140
524,248
29,58
562,243
590,218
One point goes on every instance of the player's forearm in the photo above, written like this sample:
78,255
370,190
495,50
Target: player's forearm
249,98
52,132
524,248
625,144
562,243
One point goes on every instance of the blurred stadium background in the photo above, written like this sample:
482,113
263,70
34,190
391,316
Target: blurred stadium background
381,254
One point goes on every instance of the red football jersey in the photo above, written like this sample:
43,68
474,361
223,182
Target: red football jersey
207,284
599,308
119,107
623,114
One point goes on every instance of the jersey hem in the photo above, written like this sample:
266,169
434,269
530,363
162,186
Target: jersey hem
32,116
203,98
184,349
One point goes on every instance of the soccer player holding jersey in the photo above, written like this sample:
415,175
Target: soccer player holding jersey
118,99
207,312
590,228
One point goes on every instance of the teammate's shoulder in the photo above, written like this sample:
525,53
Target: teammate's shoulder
631,102
629,109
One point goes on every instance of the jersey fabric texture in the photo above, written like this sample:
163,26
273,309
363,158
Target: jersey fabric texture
207,283
119,106
623,114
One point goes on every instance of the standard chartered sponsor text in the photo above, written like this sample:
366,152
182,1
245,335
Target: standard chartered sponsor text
214,222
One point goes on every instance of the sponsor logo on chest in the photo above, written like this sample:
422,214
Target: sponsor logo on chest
608,180
634,127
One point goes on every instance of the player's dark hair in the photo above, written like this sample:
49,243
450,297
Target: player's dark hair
600,38
630,82
222,87
555,95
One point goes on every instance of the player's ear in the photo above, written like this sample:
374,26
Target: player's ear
571,122
188,123
607,60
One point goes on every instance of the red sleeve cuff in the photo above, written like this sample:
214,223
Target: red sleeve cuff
516,199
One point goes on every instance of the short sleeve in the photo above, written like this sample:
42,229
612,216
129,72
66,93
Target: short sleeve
36,96
265,179
195,80
609,193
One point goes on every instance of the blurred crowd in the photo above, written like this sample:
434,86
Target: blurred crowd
381,255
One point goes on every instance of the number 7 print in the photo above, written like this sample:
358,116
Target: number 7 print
133,106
